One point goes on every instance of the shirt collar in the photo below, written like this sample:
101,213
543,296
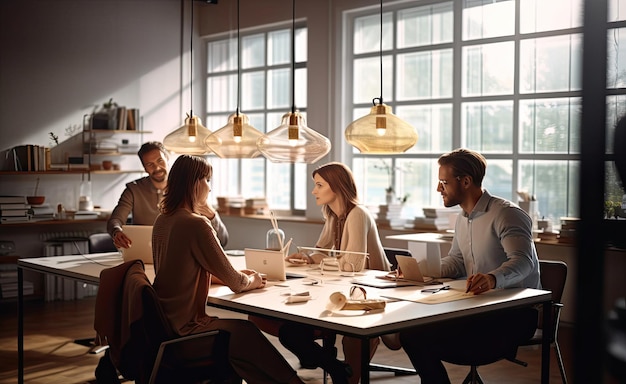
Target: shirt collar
481,205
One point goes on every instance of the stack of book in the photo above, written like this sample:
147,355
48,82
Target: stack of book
390,215
8,282
437,218
86,215
568,231
14,209
41,212
256,206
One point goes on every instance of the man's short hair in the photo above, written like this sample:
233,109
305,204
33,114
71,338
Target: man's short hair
465,162
151,146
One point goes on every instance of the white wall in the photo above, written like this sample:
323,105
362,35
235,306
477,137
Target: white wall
62,58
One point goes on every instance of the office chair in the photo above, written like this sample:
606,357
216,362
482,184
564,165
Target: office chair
143,345
553,276
97,243
392,340
101,243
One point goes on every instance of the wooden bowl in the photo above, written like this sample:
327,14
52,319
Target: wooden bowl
35,200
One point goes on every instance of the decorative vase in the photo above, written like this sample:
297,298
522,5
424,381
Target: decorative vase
389,197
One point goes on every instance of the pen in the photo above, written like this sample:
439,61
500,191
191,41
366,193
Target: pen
469,286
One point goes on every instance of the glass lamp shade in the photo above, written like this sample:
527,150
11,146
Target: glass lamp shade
235,140
381,132
188,139
293,142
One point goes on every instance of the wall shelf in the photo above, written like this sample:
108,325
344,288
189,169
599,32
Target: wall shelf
26,173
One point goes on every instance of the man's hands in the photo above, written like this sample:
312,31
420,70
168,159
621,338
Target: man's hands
480,283
121,240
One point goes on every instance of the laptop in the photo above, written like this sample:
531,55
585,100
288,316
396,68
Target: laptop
141,236
412,275
271,263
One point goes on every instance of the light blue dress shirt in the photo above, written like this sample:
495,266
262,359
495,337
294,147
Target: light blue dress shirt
495,238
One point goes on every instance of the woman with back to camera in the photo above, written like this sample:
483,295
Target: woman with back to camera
348,226
186,254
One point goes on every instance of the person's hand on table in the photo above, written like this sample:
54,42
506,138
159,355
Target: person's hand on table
121,240
480,283
258,279
299,258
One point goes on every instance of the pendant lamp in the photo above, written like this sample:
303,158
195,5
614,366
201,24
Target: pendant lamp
189,139
381,132
292,141
238,138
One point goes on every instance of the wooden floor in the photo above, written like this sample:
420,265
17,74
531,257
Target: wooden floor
51,356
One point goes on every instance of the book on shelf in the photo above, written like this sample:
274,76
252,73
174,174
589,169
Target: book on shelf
14,206
432,212
14,212
5,199
432,223
14,219
121,118
42,211
86,215
132,119
8,290
29,157
394,222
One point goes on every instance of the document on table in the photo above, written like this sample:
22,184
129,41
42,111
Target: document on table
430,298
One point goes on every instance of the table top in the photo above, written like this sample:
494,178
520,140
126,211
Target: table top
85,268
397,315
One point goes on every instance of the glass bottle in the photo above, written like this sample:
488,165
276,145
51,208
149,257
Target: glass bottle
84,201
274,238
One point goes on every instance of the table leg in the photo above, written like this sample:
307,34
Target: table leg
545,342
20,325
365,361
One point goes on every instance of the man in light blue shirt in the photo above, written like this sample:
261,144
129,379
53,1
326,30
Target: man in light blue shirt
493,247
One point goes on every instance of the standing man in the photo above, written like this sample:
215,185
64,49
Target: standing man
493,247
142,197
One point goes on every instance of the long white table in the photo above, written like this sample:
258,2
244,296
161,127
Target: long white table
397,316
270,302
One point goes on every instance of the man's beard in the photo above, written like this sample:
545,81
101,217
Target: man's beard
158,176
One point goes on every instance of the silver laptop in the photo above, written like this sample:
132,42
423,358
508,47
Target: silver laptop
411,275
271,263
141,236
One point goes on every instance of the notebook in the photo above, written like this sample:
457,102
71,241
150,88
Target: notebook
141,236
410,271
271,263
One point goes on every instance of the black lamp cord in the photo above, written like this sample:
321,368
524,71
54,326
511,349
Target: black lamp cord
238,64
293,57
380,47
191,63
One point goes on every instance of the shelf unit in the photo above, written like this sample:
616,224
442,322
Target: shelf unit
91,140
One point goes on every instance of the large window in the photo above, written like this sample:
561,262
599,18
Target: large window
265,96
502,77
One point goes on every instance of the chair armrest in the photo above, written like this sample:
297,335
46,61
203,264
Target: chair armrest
189,337
176,340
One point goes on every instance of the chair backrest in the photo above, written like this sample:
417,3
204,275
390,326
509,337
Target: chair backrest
391,254
100,243
553,276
